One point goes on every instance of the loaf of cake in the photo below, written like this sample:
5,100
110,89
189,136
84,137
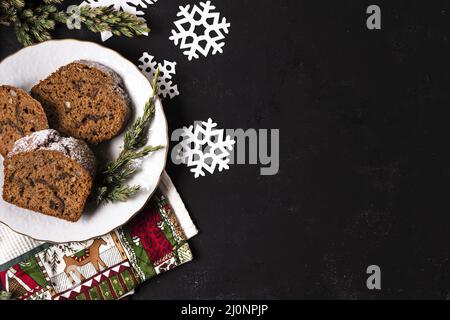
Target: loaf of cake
20,115
84,100
50,174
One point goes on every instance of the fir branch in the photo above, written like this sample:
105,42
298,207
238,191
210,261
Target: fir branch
117,193
102,19
53,1
35,21
134,137
9,8
110,182
117,167
12,4
34,24
8,11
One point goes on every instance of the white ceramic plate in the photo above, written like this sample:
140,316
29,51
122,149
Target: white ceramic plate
24,69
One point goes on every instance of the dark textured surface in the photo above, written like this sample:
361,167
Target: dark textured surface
365,172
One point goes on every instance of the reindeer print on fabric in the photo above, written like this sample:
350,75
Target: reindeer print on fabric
91,255
104,268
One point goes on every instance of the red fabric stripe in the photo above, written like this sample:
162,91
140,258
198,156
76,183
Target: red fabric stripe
25,278
99,292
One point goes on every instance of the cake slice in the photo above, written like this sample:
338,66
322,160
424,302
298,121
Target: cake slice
50,174
20,115
85,100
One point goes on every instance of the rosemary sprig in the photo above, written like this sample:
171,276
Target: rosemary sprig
135,137
110,182
118,194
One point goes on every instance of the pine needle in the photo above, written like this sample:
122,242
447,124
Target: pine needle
118,22
134,137
34,21
110,182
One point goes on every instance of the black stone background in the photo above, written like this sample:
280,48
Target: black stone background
365,171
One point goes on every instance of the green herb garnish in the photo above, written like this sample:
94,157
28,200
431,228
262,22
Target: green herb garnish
110,185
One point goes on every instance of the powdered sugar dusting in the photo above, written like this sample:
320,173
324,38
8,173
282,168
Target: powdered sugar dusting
50,139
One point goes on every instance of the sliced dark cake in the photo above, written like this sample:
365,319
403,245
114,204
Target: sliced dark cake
20,115
85,100
50,174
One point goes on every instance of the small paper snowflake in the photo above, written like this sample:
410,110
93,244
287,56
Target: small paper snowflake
166,71
194,39
130,6
205,148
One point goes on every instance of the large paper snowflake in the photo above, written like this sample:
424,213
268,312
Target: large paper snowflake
167,70
130,6
200,30
205,148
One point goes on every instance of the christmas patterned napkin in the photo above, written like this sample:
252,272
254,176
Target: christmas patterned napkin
105,268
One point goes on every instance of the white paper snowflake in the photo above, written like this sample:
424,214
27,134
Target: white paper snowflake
130,6
205,148
205,31
166,71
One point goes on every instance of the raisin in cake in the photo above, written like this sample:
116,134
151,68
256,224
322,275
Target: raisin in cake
20,115
50,174
85,100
